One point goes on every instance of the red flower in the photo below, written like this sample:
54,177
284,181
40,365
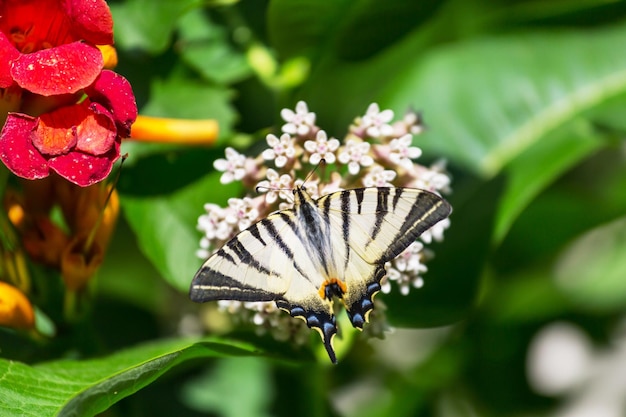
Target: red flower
54,43
74,114
80,142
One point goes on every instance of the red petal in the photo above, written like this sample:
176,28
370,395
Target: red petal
8,54
17,151
60,70
56,130
97,132
83,169
115,93
92,20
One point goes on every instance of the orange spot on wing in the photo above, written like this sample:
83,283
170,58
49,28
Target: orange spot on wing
332,281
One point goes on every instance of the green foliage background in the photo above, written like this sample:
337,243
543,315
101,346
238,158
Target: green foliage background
526,99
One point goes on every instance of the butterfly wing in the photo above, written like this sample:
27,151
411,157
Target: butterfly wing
370,226
269,262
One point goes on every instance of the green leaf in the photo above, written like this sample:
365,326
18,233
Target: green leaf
205,47
165,226
300,27
87,387
212,391
148,24
591,270
536,168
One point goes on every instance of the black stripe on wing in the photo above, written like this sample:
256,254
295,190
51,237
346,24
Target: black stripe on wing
427,210
382,207
254,231
271,229
345,221
244,256
211,285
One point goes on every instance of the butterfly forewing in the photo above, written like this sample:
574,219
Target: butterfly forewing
266,262
379,223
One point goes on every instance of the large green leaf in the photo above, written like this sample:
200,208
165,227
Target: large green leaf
487,115
485,100
87,387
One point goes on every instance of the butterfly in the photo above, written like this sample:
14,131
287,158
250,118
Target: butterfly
321,249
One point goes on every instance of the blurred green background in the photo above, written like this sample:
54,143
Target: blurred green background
523,311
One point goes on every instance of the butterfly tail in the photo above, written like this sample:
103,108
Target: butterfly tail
324,322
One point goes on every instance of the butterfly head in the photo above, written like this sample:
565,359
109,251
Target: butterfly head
300,195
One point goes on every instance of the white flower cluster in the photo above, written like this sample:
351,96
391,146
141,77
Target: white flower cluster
376,152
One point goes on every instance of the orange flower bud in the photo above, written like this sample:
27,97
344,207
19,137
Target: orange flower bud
179,131
109,54
15,309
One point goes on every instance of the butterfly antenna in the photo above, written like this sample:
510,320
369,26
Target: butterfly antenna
322,163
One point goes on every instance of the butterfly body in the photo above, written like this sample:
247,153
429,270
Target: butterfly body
333,247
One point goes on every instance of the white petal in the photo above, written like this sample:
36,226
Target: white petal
268,154
329,157
333,144
287,115
385,116
414,152
344,157
310,145
301,107
280,161
220,164
309,119
227,177
315,159
372,109
303,130
386,130
367,160
271,174
270,197
231,153
290,128
272,140
239,173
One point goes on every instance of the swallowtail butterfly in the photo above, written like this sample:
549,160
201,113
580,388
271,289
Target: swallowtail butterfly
333,247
